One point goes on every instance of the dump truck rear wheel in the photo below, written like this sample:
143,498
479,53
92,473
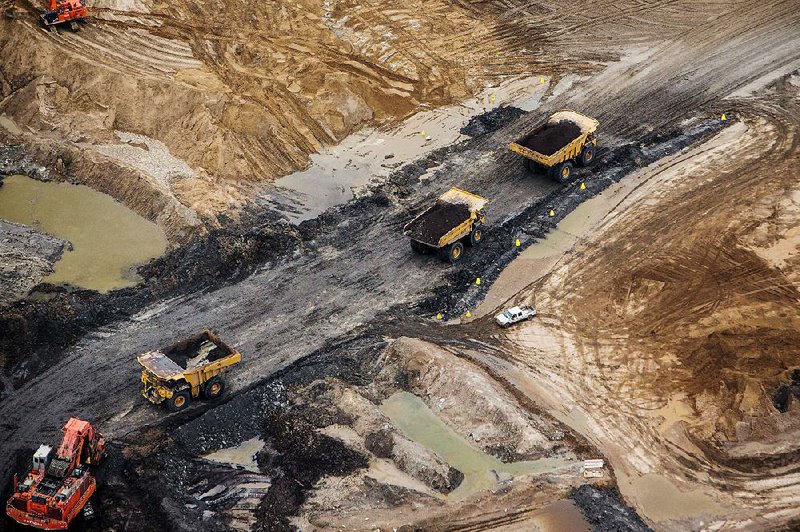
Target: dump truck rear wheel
179,401
563,172
214,388
475,236
531,166
453,252
587,155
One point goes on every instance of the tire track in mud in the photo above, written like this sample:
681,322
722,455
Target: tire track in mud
731,270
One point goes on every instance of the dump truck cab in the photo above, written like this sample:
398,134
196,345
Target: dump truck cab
187,370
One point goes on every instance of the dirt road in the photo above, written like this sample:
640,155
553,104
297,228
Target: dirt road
358,268
667,332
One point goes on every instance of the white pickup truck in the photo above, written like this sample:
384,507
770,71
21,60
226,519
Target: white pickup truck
513,315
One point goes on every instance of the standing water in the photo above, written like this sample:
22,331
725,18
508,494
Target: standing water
481,471
109,240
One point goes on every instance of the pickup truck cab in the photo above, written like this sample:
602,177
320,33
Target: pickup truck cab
513,315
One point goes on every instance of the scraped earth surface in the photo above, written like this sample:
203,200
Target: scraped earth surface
660,339
670,330
212,101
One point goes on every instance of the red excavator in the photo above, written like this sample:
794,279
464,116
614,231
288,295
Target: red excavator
59,485
65,11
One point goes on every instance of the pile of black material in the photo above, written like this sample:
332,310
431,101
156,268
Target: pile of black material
553,137
437,221
783,396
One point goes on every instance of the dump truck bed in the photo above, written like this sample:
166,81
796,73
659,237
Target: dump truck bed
196,352
448,219
559,139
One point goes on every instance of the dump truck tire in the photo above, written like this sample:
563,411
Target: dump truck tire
214,388
453,252
562,172
179,401
475,236
587,155
531,166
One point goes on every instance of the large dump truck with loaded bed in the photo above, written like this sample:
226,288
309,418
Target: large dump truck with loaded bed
567,138
454,220
187,370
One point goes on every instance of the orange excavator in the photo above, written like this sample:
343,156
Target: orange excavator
65,11
59,485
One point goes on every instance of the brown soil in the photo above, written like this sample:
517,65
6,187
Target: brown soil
552,137
434,223
182,109
671,328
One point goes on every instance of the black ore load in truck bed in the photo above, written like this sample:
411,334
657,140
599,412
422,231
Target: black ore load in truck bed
552,137
437,222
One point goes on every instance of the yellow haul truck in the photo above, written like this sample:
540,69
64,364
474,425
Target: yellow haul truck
567,138
187,370
455,219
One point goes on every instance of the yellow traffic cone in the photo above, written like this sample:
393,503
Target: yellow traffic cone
518,243
541,80
552,212
469,314
723,117
439,316
583,186
478,280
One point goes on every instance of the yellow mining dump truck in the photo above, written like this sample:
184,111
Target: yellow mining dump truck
187,370
567,138
455,219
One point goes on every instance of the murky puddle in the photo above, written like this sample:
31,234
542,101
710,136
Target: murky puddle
561,516
538,259
367,154
481,471
242,456
109,240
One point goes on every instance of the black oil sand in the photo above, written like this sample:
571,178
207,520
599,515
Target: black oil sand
436,222
552,137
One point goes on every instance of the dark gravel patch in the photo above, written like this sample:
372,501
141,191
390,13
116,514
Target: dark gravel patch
491,121
605,511
434,223
552,137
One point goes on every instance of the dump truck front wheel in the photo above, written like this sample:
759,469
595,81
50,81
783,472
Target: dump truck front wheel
587,155
214,388
476,236
453,252
179,401
562,172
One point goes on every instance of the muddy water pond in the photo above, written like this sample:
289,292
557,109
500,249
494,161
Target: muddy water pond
108,239
481,471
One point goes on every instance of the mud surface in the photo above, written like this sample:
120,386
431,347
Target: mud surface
649,338
26,256
552,137
437,222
